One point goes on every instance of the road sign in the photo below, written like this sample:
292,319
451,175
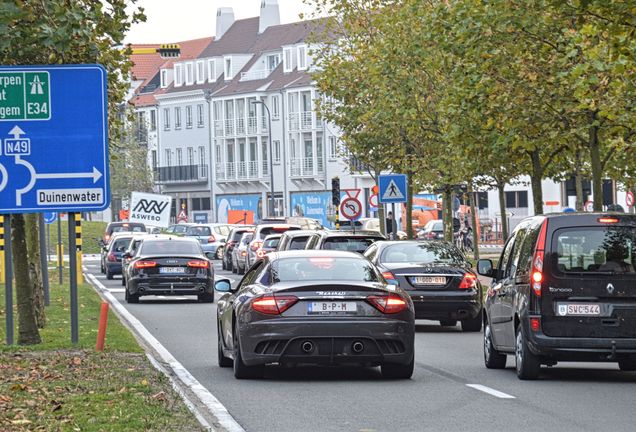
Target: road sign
53,139
392,188
589,206
151,209
182,217
374,201
50,217
629,199
351,208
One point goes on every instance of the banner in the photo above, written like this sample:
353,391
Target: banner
150,209
315,205
239,209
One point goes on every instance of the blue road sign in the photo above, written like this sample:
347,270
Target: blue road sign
49,217
392,188
53,139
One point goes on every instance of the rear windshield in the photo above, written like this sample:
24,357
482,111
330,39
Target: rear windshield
198,231
127,228
596,250
237,234
352,244
276,230
422,253
298,243
271,243
223,230
120,244
323,268
169,247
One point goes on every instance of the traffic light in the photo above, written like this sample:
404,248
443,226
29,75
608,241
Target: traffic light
335,191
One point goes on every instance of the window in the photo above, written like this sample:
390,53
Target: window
276,149
164,78
190,156
275,108
333,147
517,199
178,75
272,62
166,118
177,118
168,157
189,73
201,155
218,151
302,57
287,60
200,72
154,159
201,204
153,120
482,200
179,157
189,116
211,70
228,68
200,115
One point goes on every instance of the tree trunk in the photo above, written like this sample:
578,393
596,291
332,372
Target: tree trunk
578,182
595,159
473,219
502,209
448,213
32,228
409,206
535,181
28,333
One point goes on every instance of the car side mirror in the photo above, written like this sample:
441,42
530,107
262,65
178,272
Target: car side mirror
126,255
485,268
223,285
210,255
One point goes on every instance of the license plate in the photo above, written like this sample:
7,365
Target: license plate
171,269
331,307
574,309
429,280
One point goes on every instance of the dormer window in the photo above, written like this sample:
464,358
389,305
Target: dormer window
200,72
228,68
189,73
164,78
211,70
302,57
287,60
273,61
178,75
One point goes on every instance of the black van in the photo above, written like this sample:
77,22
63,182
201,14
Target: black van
564,290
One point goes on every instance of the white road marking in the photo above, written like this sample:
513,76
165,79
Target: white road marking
490,391
215,407
116,290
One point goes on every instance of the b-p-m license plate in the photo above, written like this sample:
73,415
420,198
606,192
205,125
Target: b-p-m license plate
328,307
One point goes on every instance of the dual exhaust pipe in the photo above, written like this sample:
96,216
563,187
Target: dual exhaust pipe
308,347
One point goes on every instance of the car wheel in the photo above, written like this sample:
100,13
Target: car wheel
224,362
241,270
131,298
526,363
230,266
448,323
206,298
109,275
398,371
492,358
241,370
219,253
627,365
472,324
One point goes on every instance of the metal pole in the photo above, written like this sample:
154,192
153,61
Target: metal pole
212,156
271,157
44,262
393,223
60,255
73,277
8,299
48,243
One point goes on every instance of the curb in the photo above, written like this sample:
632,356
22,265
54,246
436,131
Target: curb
204,405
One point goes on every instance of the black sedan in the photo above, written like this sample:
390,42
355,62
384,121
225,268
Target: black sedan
438,278
314,307
168,265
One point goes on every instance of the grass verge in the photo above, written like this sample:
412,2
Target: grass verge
57,386
90,231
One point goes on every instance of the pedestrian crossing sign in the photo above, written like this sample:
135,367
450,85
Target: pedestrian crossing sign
392,188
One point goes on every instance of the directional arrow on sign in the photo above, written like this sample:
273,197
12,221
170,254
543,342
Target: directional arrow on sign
95,175
16,132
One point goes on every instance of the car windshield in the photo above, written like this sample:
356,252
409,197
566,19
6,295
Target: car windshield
352,244
422,253
323,268
198,231
170,247
596,249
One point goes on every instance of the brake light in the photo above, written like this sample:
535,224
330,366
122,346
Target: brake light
260,253
145,264
272,304
112,257
469,281
608,220
106,238
198,264
535,324
390,304
211,239
255,245
388,275
243,253
537,260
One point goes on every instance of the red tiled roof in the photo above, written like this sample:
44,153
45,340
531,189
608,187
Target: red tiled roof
145,65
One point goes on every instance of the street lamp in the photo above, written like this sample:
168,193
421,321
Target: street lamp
271,156
207,94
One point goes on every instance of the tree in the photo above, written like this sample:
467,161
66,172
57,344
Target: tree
57,32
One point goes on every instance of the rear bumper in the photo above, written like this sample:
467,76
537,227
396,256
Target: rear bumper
170,286
210,247
440,305
281,341
113,267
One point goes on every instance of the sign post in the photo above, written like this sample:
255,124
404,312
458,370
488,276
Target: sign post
392,190
54,147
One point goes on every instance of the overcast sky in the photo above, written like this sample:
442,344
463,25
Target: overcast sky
179,20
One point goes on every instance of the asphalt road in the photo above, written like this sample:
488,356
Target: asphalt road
439,397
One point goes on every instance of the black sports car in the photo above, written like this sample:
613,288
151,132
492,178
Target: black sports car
438,278
314,307
169,265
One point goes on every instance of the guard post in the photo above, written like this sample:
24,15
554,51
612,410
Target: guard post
78,247
3,271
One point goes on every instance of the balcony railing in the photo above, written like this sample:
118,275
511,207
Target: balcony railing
251,125
305,120
240,126
218,128
245,170
306,167
252,169
265,167
229,127
255,74
181,174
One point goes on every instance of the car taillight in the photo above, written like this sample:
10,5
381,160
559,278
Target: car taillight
535,324
537,260
211,239
388,275
469,281
198,264
243,253
145,264
106,238
112,257
273,304
260,253
255,245
390,304
608,220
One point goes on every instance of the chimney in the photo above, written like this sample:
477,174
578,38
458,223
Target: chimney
270,16
224,20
